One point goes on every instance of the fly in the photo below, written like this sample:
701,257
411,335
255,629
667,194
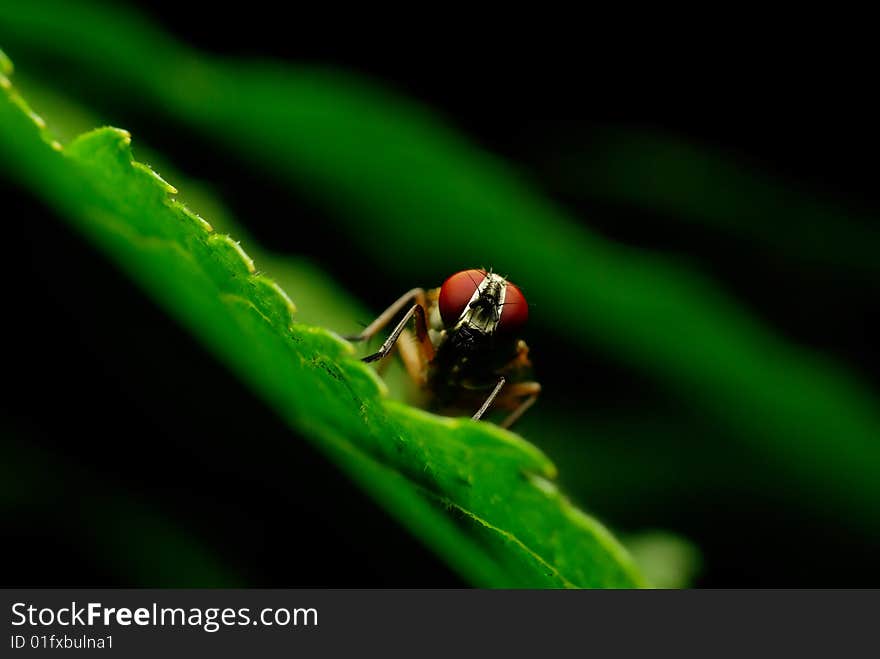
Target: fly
466,353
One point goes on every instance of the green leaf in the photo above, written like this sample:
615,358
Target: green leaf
668,560
482,497
698,186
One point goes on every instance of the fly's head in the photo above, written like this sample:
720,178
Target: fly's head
477,305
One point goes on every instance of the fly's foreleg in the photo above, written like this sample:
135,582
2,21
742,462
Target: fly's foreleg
416,295
515,392
485,406
417,311
512,398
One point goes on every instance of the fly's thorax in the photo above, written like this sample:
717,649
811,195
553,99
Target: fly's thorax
465,354
483,312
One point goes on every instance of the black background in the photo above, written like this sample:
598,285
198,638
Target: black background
524,94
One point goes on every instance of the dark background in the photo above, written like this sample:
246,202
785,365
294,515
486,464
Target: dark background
525,96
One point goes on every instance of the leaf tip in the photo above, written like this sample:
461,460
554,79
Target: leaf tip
281,293
225,243
273,301
197,219
164,185
124,135
346,346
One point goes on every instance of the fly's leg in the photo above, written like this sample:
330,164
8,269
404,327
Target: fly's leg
416,295
383,365
511,398
520,396
415,360
410,355
427,348
516,391
480,412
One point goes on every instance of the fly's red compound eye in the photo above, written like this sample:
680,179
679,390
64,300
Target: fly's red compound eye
456,292
515,312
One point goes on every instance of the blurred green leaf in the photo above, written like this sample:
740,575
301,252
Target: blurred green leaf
696,185
668,561
481,497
